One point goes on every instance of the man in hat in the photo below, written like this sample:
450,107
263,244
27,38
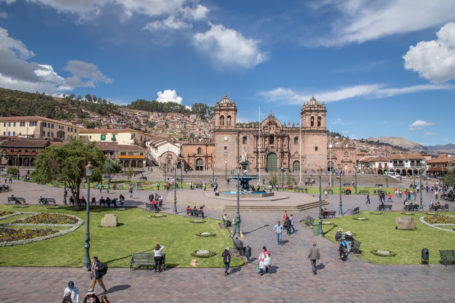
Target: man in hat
73,290
91,297
313,256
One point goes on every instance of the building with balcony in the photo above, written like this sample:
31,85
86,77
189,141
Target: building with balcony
124,136
407,164
129,155
21,152
441,165
164,153
36,127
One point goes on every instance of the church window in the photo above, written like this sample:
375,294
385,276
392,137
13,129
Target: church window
222,120
315,148
271,139
319,121
346,154
244,140
199,150
296,140
312,121
228,121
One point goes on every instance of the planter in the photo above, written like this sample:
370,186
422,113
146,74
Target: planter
48,218
439,219
377,213
327,223
360,219
206,234
158,215
198,221
408,214
203,253
383,253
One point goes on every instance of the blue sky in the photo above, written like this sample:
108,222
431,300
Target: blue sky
383,68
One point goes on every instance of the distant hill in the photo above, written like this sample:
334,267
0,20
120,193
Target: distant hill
434,149
400,142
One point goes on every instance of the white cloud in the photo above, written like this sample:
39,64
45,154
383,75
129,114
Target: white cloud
435,59
364,20
289,96
428,134
419,124
16,72
229,47
168,95
168,23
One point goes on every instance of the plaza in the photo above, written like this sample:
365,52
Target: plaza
290,278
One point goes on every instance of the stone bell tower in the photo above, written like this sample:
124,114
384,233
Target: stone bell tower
225,114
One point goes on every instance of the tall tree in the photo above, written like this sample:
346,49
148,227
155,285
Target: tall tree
67,163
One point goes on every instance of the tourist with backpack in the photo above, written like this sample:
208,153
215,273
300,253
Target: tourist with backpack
97,271
226,260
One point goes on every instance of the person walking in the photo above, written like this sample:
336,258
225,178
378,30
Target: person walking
104,299
91,297
368,199
313,256
291,219
158,257
97,271
226,260
278,229
73,291
264,261
131,191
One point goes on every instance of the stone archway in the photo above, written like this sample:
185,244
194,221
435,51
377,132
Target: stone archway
296,166
272,162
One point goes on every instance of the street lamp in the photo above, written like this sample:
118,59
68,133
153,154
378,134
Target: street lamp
213,172
282,180
181,174
88,173
420,190
109,172
237,216
341,199
175,190
330,164
320,233
65,192
225,169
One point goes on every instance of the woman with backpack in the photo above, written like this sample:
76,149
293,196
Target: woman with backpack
97,271
264,261
226,260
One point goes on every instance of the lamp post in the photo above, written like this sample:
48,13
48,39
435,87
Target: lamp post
213,173
175,190
165,172
355,178
282,180
65,192
320,233
225,169
237,216
330,164
341,199
181,175
88,173
420,190
109,172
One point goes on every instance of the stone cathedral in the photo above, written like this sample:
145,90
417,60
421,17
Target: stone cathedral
271,145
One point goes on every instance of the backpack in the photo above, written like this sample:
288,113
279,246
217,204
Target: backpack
102,269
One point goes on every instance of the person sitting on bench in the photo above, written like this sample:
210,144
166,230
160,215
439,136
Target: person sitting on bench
188,210
227,222
325,213
15,200
239,245
201,211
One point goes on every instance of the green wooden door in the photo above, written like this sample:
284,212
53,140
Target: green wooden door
271,162
296,166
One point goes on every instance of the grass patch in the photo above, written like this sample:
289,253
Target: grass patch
137,232
379,233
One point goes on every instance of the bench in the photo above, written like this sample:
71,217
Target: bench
330,213
388,207
16,200
355,246
309,221
363,192
46,201
379,185
197,213
447,257
329,191
413,207
147,259
356,211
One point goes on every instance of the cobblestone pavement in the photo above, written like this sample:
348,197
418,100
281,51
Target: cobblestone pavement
290,279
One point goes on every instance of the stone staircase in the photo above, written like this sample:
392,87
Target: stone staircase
301,207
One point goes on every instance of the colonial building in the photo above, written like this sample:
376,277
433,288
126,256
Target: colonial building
342,156
124,136
129,155
440,166
198,154
271,145
407,164
21,152
37,127
164,153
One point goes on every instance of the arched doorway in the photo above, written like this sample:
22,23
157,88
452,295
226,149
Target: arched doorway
271,162
199,164
296,166
330,165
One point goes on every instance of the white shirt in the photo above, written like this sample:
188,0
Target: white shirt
74,293
158,252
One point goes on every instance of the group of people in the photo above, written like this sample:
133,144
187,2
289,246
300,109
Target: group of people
97,271
195,211
156,201
102,201
344,241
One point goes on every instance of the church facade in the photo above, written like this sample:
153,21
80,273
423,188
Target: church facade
270,145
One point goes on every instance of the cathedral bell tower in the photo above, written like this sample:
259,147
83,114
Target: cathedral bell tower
225,114
313,115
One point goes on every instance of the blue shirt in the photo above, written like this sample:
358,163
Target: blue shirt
278,228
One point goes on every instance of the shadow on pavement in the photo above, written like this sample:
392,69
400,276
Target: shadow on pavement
320,266
251,231
118,288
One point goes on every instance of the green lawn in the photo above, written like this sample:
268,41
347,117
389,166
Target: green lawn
379,233
137,232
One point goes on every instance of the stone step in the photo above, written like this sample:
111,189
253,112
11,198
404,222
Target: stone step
300,207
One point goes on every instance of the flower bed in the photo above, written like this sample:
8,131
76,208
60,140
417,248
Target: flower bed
439,219
9,234
203,253
158,215
377,213
197,221
206,234
5,213
360,219
408,213
383,253
45,218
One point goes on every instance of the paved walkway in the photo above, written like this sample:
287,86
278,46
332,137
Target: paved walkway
290,280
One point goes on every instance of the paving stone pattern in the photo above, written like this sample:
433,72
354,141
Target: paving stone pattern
290,279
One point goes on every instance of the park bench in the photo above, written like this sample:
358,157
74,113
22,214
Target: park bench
388,207
197,213
16,200
356,211
346,184
145,259
329,191
379,185
46,201
309,221
447,257
355,246
331,213
363,192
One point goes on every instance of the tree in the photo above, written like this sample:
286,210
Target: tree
129,172
114,167
449,178
290,180
273,179
67,163
12,171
